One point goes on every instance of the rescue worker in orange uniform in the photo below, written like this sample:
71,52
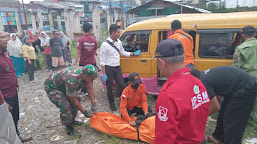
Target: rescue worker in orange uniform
187,42
133,99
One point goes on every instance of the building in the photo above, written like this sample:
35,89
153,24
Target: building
240,3
159,8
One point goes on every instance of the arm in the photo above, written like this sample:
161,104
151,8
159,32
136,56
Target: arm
124,53
237,61
123,107
144,102
214,106
77,57
103,52
76,103
91,92
24,50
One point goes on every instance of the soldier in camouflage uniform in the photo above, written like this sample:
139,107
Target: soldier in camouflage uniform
245,57
62,89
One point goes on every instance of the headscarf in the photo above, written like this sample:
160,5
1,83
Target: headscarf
14,46
32,38
44,41
24,40
64,39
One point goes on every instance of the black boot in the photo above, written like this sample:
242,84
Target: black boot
112,106
72,132
77,123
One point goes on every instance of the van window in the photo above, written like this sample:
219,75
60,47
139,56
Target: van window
133,41
218,45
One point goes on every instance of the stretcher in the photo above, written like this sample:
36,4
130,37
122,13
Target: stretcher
114,125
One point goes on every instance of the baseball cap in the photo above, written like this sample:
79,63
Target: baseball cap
248,29
134,78
91,71
169,48
55,31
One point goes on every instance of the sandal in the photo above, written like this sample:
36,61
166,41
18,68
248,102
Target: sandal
211,139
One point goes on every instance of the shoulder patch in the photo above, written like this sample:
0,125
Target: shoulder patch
123,97
236,58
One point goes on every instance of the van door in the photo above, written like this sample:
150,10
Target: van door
133,41
215,47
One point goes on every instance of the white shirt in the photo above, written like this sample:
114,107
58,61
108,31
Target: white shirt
109,55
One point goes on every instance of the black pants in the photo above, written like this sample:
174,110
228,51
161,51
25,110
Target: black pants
84,89
49,61
233,116
37,62
138,111
31,70
15,111
114,73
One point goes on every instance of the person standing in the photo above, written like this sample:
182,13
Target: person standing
30,57
245,57
14,47
36,44
186,40
62,90
47,52
182,106
9,84
66,49
110,51
86,49
33,43
56,52
239,90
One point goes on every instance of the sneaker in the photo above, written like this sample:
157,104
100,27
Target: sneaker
113,107
72,132
23,74
18,76
25,139
77,123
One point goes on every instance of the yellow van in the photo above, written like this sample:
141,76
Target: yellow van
215,39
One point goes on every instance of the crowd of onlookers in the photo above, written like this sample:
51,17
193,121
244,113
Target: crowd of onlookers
55,50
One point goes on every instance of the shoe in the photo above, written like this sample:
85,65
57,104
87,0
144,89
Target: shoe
77,123
33,81
72,132
23,74
113,107
18,76
26,139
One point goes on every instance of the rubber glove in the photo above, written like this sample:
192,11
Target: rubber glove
137,53
105,78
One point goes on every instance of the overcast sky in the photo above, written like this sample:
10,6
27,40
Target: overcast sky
27,1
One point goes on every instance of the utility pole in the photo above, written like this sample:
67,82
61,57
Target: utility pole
24,15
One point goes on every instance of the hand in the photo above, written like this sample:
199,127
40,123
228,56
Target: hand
93,107
146,112
104,78
87,113
9,107
132,123
29,62
137,53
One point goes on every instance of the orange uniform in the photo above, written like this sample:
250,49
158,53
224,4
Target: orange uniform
188,45
131,98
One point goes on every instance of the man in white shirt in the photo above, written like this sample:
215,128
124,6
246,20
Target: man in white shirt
110,51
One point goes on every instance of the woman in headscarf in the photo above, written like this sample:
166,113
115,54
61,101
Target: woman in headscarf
66,48
30,57
47,52
15,53
33,42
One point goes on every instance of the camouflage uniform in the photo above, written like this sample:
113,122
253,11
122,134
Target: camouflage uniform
61,85
245,57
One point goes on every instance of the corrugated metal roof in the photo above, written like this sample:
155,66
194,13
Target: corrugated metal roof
172,1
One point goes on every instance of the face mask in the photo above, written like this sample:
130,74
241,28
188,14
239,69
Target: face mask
135,86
